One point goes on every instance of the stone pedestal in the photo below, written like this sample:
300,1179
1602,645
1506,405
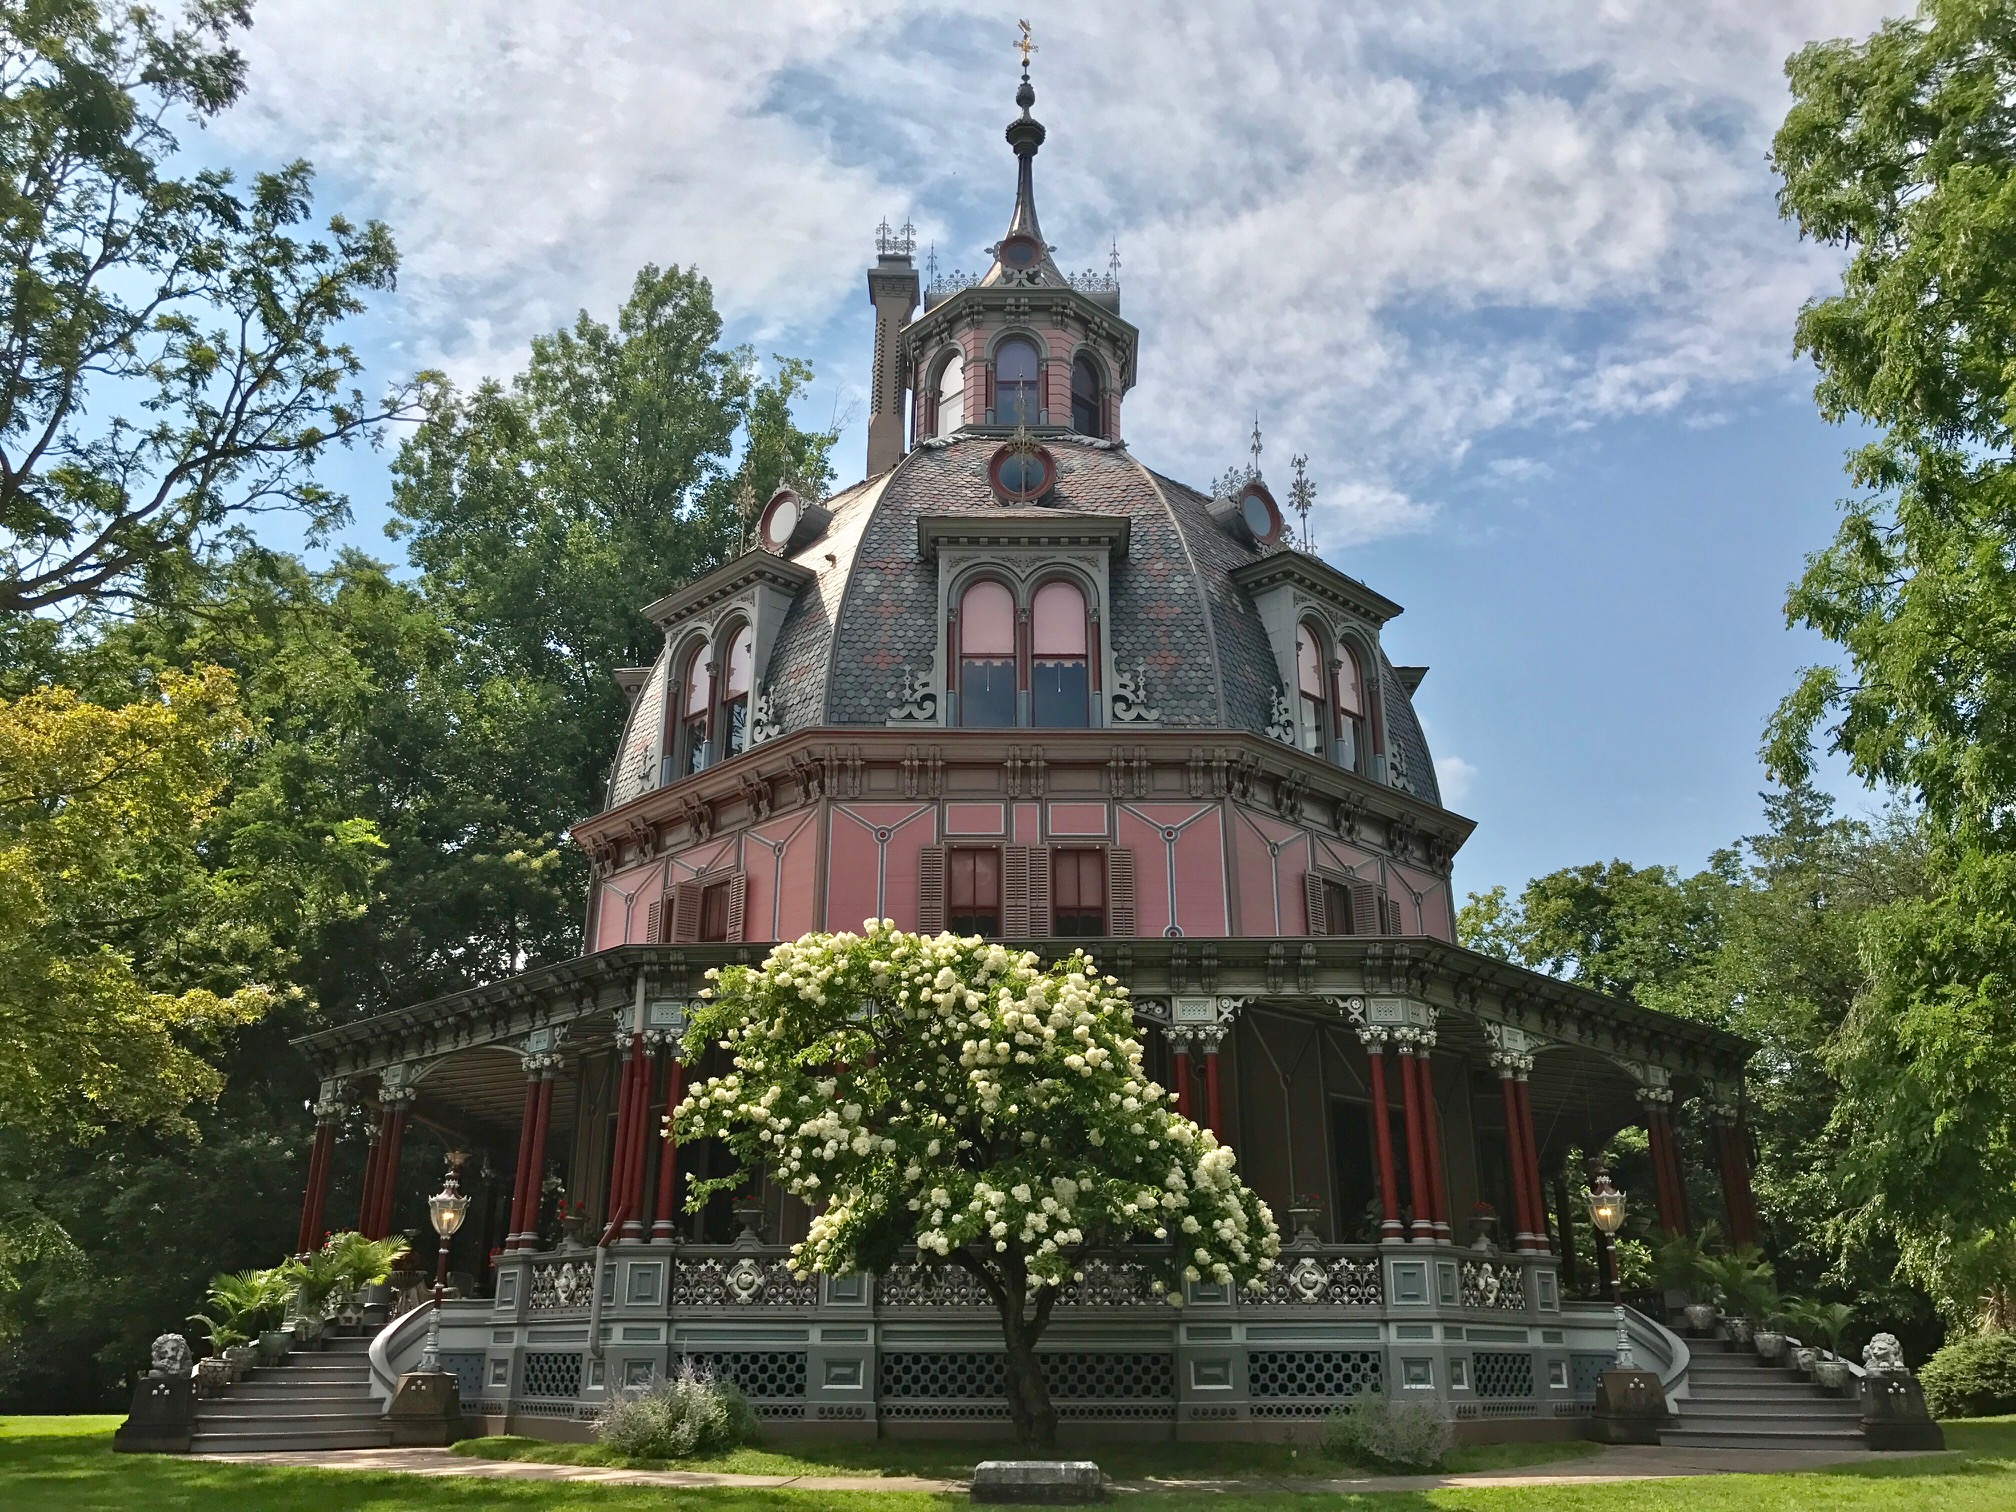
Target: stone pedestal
1630,1408
1044,1482
426,1410
162,1419
1894,1414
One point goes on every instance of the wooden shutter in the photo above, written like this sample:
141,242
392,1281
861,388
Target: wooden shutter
1312,897
654,922
738,900
931,890
1368,908
1039,891
1015,892
1119,892
686,912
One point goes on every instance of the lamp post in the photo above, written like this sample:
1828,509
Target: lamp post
445,1210
1606,1212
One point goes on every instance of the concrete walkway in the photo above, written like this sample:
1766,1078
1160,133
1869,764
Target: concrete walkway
1614,1464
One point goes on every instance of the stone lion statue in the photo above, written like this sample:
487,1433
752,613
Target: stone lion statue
1883,1353
170,1356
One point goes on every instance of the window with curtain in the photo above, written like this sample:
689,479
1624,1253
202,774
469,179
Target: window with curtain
1312,680
699,696
735,692
1352,747
714,911
987,656
1078,893
1061,688
1086,409
951,396
1016,379
973,892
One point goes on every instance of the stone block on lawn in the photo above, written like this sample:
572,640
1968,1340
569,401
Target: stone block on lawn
1044,1482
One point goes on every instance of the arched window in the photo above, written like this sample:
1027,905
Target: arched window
1352,744
1312,679
951,396
735,692
1060,670
987,656
693,707
1086,417
1016,371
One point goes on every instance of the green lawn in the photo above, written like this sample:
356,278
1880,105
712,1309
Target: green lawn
66,1465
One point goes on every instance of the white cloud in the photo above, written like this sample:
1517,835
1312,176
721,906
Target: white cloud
1393,231
1455,777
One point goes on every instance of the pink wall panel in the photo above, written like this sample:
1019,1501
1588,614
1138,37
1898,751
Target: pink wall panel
1430,915
776,909
1028,819
975,819
872,862
1090,820
1179,866
619,918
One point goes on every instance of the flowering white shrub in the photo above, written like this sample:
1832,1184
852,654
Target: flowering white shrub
951,1094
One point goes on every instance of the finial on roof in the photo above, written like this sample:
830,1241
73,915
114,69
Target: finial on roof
1025,135
1302,495
1255,448
1113,262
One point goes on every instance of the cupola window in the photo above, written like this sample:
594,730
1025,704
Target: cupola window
1086,398
698,699
987,656
1352,747
1016,377
735,695
1061,692
951,395
1312,680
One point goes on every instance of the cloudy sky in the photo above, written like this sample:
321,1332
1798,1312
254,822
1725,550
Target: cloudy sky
1511,276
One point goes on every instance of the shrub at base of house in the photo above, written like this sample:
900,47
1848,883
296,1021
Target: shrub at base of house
1375,1433
1973,1377
690,1414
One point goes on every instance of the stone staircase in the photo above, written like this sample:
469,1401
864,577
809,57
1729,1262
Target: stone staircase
319,1399
1736,1401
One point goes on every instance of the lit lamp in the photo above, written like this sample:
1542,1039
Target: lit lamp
445,1210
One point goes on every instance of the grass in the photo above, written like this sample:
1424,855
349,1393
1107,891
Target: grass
954,1458
66,1465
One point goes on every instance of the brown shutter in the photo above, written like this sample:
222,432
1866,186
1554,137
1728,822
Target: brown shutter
1039,891
738,899
1120,892
1368,908
1312,897
1015,892
931,890
686,912
654,922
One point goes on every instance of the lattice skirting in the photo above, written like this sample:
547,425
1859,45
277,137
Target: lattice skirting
972,1376
1313,1372
1502,1374
760,1374
1583,1370
1469,1411
543,1374
466,1365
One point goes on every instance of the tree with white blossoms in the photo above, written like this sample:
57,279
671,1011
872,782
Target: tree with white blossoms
952,1095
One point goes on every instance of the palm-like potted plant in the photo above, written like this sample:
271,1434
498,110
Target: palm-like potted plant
1831,1320
1801,1318
315,1280
1743,1282
1771,1337
361,1267
1681,1265
241,1304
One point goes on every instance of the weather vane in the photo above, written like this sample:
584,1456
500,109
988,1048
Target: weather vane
1025,44
1301,495
1256,445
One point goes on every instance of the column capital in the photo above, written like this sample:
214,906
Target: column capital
1373,1038
399,1097
1512,1065
1410,1040
1654,1097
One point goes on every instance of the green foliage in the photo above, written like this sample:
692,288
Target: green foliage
1377,1433
1743,1283
352,1261
168,367
1681,1261
1614,927
689,1414
1974,1376
950,1094
1816,1323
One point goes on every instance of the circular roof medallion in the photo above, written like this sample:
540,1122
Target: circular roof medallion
1021,474
1021,253
780,519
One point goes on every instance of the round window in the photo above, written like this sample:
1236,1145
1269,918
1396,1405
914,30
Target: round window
1019,253
1021,475
780,519
1258,520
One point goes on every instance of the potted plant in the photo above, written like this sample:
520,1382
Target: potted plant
360,1267
1830,1321
314,1279
575,1221
1742,1283
1304,1213
1770,1339
242,1304
748,1211
1798,1316
1680,1263
1483,1226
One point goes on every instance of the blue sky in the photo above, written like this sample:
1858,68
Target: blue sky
1511,277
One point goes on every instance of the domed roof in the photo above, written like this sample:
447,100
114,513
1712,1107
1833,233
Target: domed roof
871,611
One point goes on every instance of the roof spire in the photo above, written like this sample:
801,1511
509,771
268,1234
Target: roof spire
1025,135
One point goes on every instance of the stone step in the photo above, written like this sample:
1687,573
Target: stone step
260,1420
349,1344
1692,1412
348,1405
256,1390
346,1370
1763,1406
289,1439
1760,1437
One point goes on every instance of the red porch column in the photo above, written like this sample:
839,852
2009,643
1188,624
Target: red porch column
1535,1198
1179,1044
531,1151
638,1217
1518,1140
1733,1148
513,1229
1665,1166
634,1064
316,1193
1423,1227
367,1196
401,1103
1431,1130
664,1222
1214,1113
1374,1041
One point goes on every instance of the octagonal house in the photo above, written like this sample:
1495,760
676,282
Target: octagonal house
1017,683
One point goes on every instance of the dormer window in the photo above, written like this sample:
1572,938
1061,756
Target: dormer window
1087,400
1312,679
1062,689
951,396
1017,374
694,705
987,656
735,692
1352,744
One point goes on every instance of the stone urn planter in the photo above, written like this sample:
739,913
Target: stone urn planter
239,1359
1806,1357
273,1345
212,1376
1832,1374
1770,1345
748,1211
1700,1318
574,1228
374,1307
307,1328
1484,1231
1739,1330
